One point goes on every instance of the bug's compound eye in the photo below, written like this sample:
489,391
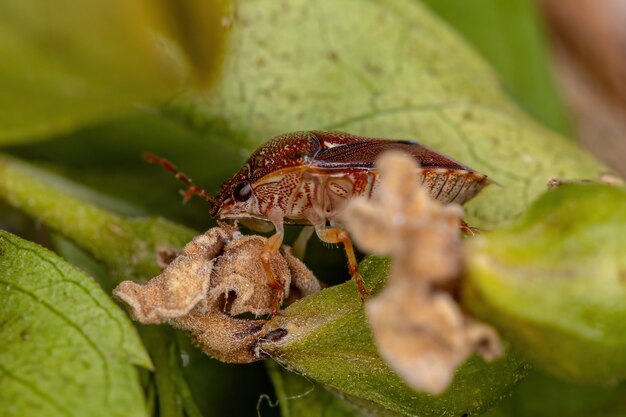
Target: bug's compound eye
242,191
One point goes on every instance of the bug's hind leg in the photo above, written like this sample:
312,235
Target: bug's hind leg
338,235
270,249
299,246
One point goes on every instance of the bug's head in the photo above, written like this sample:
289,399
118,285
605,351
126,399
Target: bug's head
246,194
236,199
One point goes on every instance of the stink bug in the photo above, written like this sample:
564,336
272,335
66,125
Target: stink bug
307,178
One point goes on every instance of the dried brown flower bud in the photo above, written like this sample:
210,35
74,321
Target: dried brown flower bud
418,327
182,285
218,275
402,220
423,335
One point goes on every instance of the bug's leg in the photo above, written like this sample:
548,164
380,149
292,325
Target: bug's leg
469,230
270,249
338,235
299,246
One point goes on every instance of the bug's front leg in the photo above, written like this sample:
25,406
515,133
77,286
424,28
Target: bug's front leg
270,249
337,235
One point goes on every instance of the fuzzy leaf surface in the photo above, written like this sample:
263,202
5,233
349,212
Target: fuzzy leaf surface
385,69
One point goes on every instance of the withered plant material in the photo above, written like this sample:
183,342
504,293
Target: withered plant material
422,334
402,220
418,327
182,285
217,276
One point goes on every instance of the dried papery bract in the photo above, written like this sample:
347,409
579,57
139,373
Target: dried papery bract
418,327
423,335
182,285
217,276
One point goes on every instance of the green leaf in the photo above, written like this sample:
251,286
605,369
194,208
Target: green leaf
65,348
299,397
328,339
199,28
128,247
554,283
69,63
509,34
386,69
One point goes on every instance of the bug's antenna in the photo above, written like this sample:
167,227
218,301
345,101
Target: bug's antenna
192,189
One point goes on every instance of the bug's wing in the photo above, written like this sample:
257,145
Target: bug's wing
364,152
446,179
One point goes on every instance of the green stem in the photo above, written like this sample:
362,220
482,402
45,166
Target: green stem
127,246
163,350
189,404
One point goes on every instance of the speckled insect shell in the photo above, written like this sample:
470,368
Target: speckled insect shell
308,177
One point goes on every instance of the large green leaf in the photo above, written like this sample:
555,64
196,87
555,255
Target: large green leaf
68,63
379,68
509,34
127,247
554,283
65,348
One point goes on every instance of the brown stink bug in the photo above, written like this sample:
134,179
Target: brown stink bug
307,178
